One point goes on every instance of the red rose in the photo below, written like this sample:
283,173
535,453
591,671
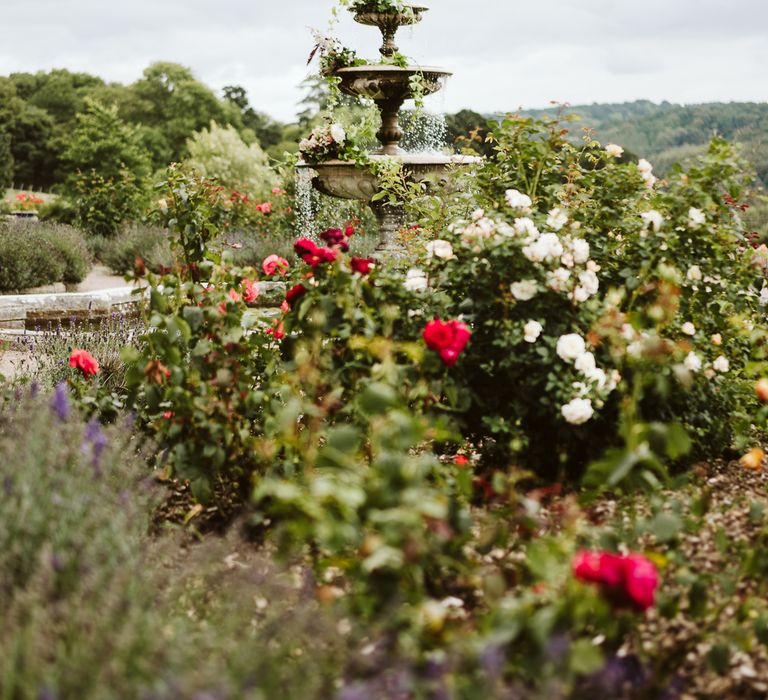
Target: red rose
447,338
362,265
304,247
84,361
277,331
235,296
294,294
334,237
349,231
629,581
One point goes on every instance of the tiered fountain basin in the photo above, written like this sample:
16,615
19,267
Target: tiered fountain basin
342,179
384,81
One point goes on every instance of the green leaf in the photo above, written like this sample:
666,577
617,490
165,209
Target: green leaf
585,657
666,526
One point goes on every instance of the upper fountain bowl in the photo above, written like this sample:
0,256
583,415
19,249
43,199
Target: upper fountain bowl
387,82
374,18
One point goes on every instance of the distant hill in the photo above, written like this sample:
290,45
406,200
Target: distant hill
667,133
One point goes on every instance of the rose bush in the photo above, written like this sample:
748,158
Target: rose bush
586,283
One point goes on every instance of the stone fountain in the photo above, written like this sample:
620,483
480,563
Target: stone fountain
388,86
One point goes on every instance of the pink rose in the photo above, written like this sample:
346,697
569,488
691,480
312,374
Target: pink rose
627,581
274,264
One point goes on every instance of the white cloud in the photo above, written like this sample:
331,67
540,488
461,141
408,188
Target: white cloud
504,55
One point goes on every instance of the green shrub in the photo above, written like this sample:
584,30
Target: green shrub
150,243
39,254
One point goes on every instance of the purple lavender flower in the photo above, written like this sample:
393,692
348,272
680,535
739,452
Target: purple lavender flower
8,485
34,389
95,443
47,694
60,402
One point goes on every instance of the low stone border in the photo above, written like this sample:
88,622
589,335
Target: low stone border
36,311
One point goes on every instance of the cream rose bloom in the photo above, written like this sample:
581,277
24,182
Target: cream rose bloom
532,330
578,411
524,290
570,346
614,151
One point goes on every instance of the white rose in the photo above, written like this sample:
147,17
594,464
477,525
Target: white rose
570,346
688,328
599,377
532,331
478,214
614,151
580,295
440,249
589,282
338,134
557,219
694,273
580,250
692,362
578,411
696,217
717,339
653,218
524,290
721,364
525,227
415,280
644,166
763,296
518,200
558,279
628,332
646,170
585,363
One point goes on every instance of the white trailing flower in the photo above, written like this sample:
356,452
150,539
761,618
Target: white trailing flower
763,299
721,364
694,273
696,217
546,247
532,331
415,280
614,151
578,411
440,249
524,290
337,133
692,362
653,219
628,332
570,346
518,200
688,328
580,250
557,219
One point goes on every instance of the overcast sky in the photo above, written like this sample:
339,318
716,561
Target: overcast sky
504,54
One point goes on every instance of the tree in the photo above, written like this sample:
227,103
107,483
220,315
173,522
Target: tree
172,104
467,130
268,132
220,154
7,120
111,168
